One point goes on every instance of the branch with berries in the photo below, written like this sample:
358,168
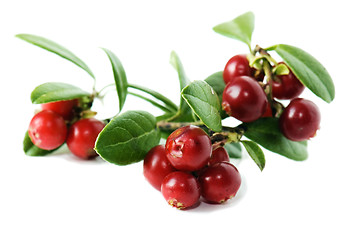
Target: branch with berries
194,162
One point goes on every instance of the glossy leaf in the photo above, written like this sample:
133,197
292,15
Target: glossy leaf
240,28
31,150
55,48
204,102
120,78
308,70
217,83
128,137
265,132
56,91
234,149
255,152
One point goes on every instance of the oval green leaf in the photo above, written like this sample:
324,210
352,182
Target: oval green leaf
128,137
120,78
31,150
240,28
255,152
265,132
56,91
308,70
234,149
204,102
55,48
217,83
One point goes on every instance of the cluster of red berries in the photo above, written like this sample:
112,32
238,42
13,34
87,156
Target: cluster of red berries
57,123
187,169
245,99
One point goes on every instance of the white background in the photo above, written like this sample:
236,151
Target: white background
61,197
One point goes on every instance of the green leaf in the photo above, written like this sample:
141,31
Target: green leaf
265,132
255,152
217,83
56,91
308,70
234,149
31,150
128,137
120,78
240,28
204,102
168,103
184,112
55,48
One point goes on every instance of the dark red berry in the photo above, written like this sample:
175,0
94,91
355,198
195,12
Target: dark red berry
188,148
63,108
180,189
244,99
268,112
156,166
300,120
82,137
236,66
288,87
219,182
47,130
219,155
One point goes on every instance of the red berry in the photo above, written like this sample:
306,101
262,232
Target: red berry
236,66
188,148
63,108
219,182
244,99
300,120
219,155
156,166
268,112
180,189
288,87
82,137
47,130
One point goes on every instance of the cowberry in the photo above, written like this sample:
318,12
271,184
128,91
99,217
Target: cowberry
47,130
188,148
219,155
237,66
300,120
82,137
180,189
156,166
244,99
219,182
63,108
288,86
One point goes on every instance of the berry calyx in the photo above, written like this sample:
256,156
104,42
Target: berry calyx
63,108
180,189
288,86
219,182
156,166
47,130
188,148
82,137
237,66
300,120
244,99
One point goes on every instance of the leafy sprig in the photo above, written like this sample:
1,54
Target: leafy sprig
130,135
